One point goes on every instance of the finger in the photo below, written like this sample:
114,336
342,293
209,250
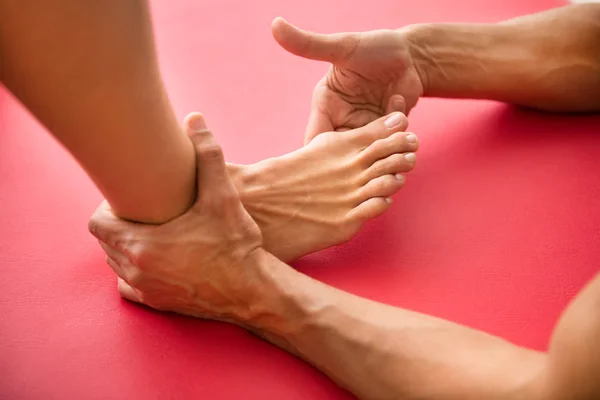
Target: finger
195,123
116,267
323,103
213,180
396,103
122,265
127,292
318,122
114,254
315,46
96,224
357,119
106,226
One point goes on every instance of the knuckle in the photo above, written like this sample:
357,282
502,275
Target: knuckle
224,202
398,138
217,206
96,222
345,229
354,197
396,161
368,154
211,151
116,267
134,276
136,254
390,164
104,225
230,198
386,182
94,227
382,145
396,143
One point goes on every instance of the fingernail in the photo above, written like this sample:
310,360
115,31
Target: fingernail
399,105
410,157
388,200
393,120
198,125
399,177
411,138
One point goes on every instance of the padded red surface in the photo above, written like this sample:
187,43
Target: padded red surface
497,228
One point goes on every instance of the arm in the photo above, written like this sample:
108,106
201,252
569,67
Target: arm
381,352
374,350
549,61
88,71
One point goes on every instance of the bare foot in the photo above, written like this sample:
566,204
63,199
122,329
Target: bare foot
322,194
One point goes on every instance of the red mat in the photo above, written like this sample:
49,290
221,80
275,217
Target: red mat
497,228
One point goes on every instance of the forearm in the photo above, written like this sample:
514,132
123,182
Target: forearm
549,60
88,72
382,352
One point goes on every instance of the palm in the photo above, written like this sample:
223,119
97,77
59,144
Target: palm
371,74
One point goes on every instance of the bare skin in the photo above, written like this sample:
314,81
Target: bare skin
111,111
88,71
371,74
209,263
322,194
553,65
374,350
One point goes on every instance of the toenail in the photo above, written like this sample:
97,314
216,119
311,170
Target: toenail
393,120
399,177
411,138
410,157
388,200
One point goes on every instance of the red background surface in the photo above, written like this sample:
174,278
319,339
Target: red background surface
497,228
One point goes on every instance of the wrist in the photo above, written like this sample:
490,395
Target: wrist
463,60
270,301
415,36
283,302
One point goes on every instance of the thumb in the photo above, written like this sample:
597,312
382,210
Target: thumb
211,171
396,102
332,48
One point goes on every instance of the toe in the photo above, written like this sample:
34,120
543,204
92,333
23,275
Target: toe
400,142
370,208
382,186
379,129
396,163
